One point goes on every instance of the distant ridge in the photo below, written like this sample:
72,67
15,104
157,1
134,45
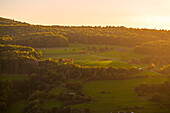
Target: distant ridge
13,22
6,21
27,34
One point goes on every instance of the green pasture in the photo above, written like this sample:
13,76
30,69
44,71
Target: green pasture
119,93
117,57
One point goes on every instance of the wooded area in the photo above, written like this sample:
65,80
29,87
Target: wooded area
18,56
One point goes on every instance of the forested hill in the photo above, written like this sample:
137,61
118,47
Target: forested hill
21,33
57,36
10,22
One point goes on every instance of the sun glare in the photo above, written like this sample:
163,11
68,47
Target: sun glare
152,21
157,19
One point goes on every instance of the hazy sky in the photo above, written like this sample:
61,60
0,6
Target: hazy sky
130,13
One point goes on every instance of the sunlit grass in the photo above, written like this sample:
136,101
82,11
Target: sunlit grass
118,57
110,63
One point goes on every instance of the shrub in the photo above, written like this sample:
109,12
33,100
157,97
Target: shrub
156,97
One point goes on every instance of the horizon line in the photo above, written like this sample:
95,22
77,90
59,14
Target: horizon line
85,25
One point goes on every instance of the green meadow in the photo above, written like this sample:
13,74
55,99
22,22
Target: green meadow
119,93
117,57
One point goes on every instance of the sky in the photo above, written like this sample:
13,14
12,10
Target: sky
129,13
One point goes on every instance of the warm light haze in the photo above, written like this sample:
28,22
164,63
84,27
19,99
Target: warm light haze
84,56
129,13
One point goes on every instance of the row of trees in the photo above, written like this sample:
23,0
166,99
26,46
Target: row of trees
70,70
16,59
9,47
159,60
159,47
158,52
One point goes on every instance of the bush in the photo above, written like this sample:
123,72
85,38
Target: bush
142,89
76,86
156,97
40,95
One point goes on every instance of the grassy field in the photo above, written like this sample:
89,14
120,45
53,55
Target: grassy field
117,57
119,93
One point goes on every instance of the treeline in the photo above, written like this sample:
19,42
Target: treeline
17,59
158,52
156,92
63,71
8,47
11,22
85,34
37,40
109,36
41,40
34,36
158,60
113,35
70,70
159,47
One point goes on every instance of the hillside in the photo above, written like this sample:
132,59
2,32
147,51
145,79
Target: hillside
73,69
144,41
10,22
82,34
